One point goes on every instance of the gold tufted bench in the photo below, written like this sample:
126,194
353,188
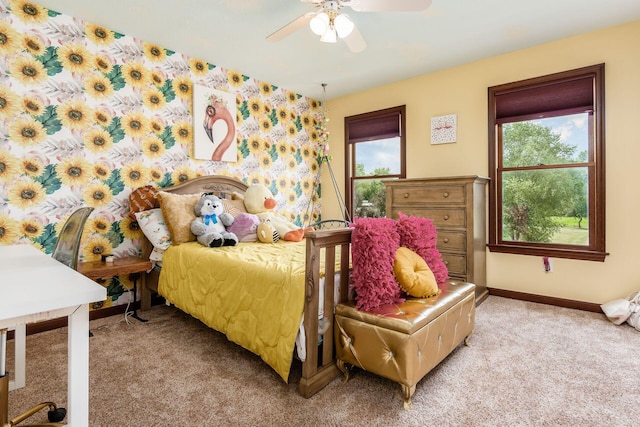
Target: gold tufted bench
404,342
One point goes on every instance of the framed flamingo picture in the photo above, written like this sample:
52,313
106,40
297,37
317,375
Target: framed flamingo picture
214,123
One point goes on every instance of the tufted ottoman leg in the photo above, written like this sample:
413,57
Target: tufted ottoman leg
467,339
344,369
408,391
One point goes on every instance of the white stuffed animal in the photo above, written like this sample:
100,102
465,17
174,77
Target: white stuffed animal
259,201
210,224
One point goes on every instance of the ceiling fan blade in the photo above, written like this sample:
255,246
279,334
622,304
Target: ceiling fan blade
389,5
355,42
291,27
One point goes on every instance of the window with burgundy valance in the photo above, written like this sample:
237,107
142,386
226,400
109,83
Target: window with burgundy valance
546,163
374,150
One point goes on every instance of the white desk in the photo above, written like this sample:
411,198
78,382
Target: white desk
36,287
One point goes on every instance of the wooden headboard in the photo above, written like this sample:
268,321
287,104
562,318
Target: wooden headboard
222,186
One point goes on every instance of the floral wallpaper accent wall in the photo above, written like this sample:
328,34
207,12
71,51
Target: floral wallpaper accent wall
88,114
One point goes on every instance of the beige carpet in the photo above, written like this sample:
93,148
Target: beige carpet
528,365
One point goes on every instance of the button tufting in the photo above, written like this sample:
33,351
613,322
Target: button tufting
418,353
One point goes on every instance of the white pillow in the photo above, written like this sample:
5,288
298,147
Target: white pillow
618,310
156,255
152,224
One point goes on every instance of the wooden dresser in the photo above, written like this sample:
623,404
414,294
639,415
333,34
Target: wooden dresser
457,206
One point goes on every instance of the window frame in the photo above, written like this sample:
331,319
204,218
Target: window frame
350,147
596,249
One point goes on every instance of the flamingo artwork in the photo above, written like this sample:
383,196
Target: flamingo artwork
214,124
215,110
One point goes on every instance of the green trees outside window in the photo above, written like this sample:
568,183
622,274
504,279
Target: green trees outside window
369,196
544,205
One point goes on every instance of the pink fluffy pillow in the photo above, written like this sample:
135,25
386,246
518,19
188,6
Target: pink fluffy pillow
374,242
419,235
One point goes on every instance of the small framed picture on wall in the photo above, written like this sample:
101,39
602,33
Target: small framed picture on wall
443,129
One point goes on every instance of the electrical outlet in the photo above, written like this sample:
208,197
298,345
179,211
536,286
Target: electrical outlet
547,264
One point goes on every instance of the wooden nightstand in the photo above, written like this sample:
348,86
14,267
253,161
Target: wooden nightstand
135,267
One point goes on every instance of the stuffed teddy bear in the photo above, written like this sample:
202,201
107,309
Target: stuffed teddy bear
210,224
259,201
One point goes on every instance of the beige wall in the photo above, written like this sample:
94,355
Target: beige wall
463,91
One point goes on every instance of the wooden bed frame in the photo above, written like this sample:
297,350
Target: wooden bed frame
319,367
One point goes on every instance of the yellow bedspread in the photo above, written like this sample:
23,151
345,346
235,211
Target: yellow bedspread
252,292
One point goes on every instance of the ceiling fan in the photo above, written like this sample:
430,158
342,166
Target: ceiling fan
330,23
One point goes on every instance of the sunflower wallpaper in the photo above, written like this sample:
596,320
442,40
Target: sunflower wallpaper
88,114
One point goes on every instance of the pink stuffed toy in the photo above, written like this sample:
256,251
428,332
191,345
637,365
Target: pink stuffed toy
245,226
420,235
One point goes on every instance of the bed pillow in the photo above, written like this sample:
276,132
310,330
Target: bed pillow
374,242
234,206
414,275
178,213
419,235
152,224
142,199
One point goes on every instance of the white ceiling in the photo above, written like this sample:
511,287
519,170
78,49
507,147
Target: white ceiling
231,34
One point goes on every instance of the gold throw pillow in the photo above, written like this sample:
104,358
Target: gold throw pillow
413,274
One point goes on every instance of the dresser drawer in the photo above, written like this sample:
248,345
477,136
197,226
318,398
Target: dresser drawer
456,264
452,241
428,194
442,218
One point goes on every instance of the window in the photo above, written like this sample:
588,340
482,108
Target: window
375,150
546,163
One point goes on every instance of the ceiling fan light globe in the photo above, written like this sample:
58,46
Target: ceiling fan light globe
329,36
319,23
344,25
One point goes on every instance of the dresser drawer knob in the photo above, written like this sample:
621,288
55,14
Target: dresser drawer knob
406,195
446,217
445,194
446,262
446,240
